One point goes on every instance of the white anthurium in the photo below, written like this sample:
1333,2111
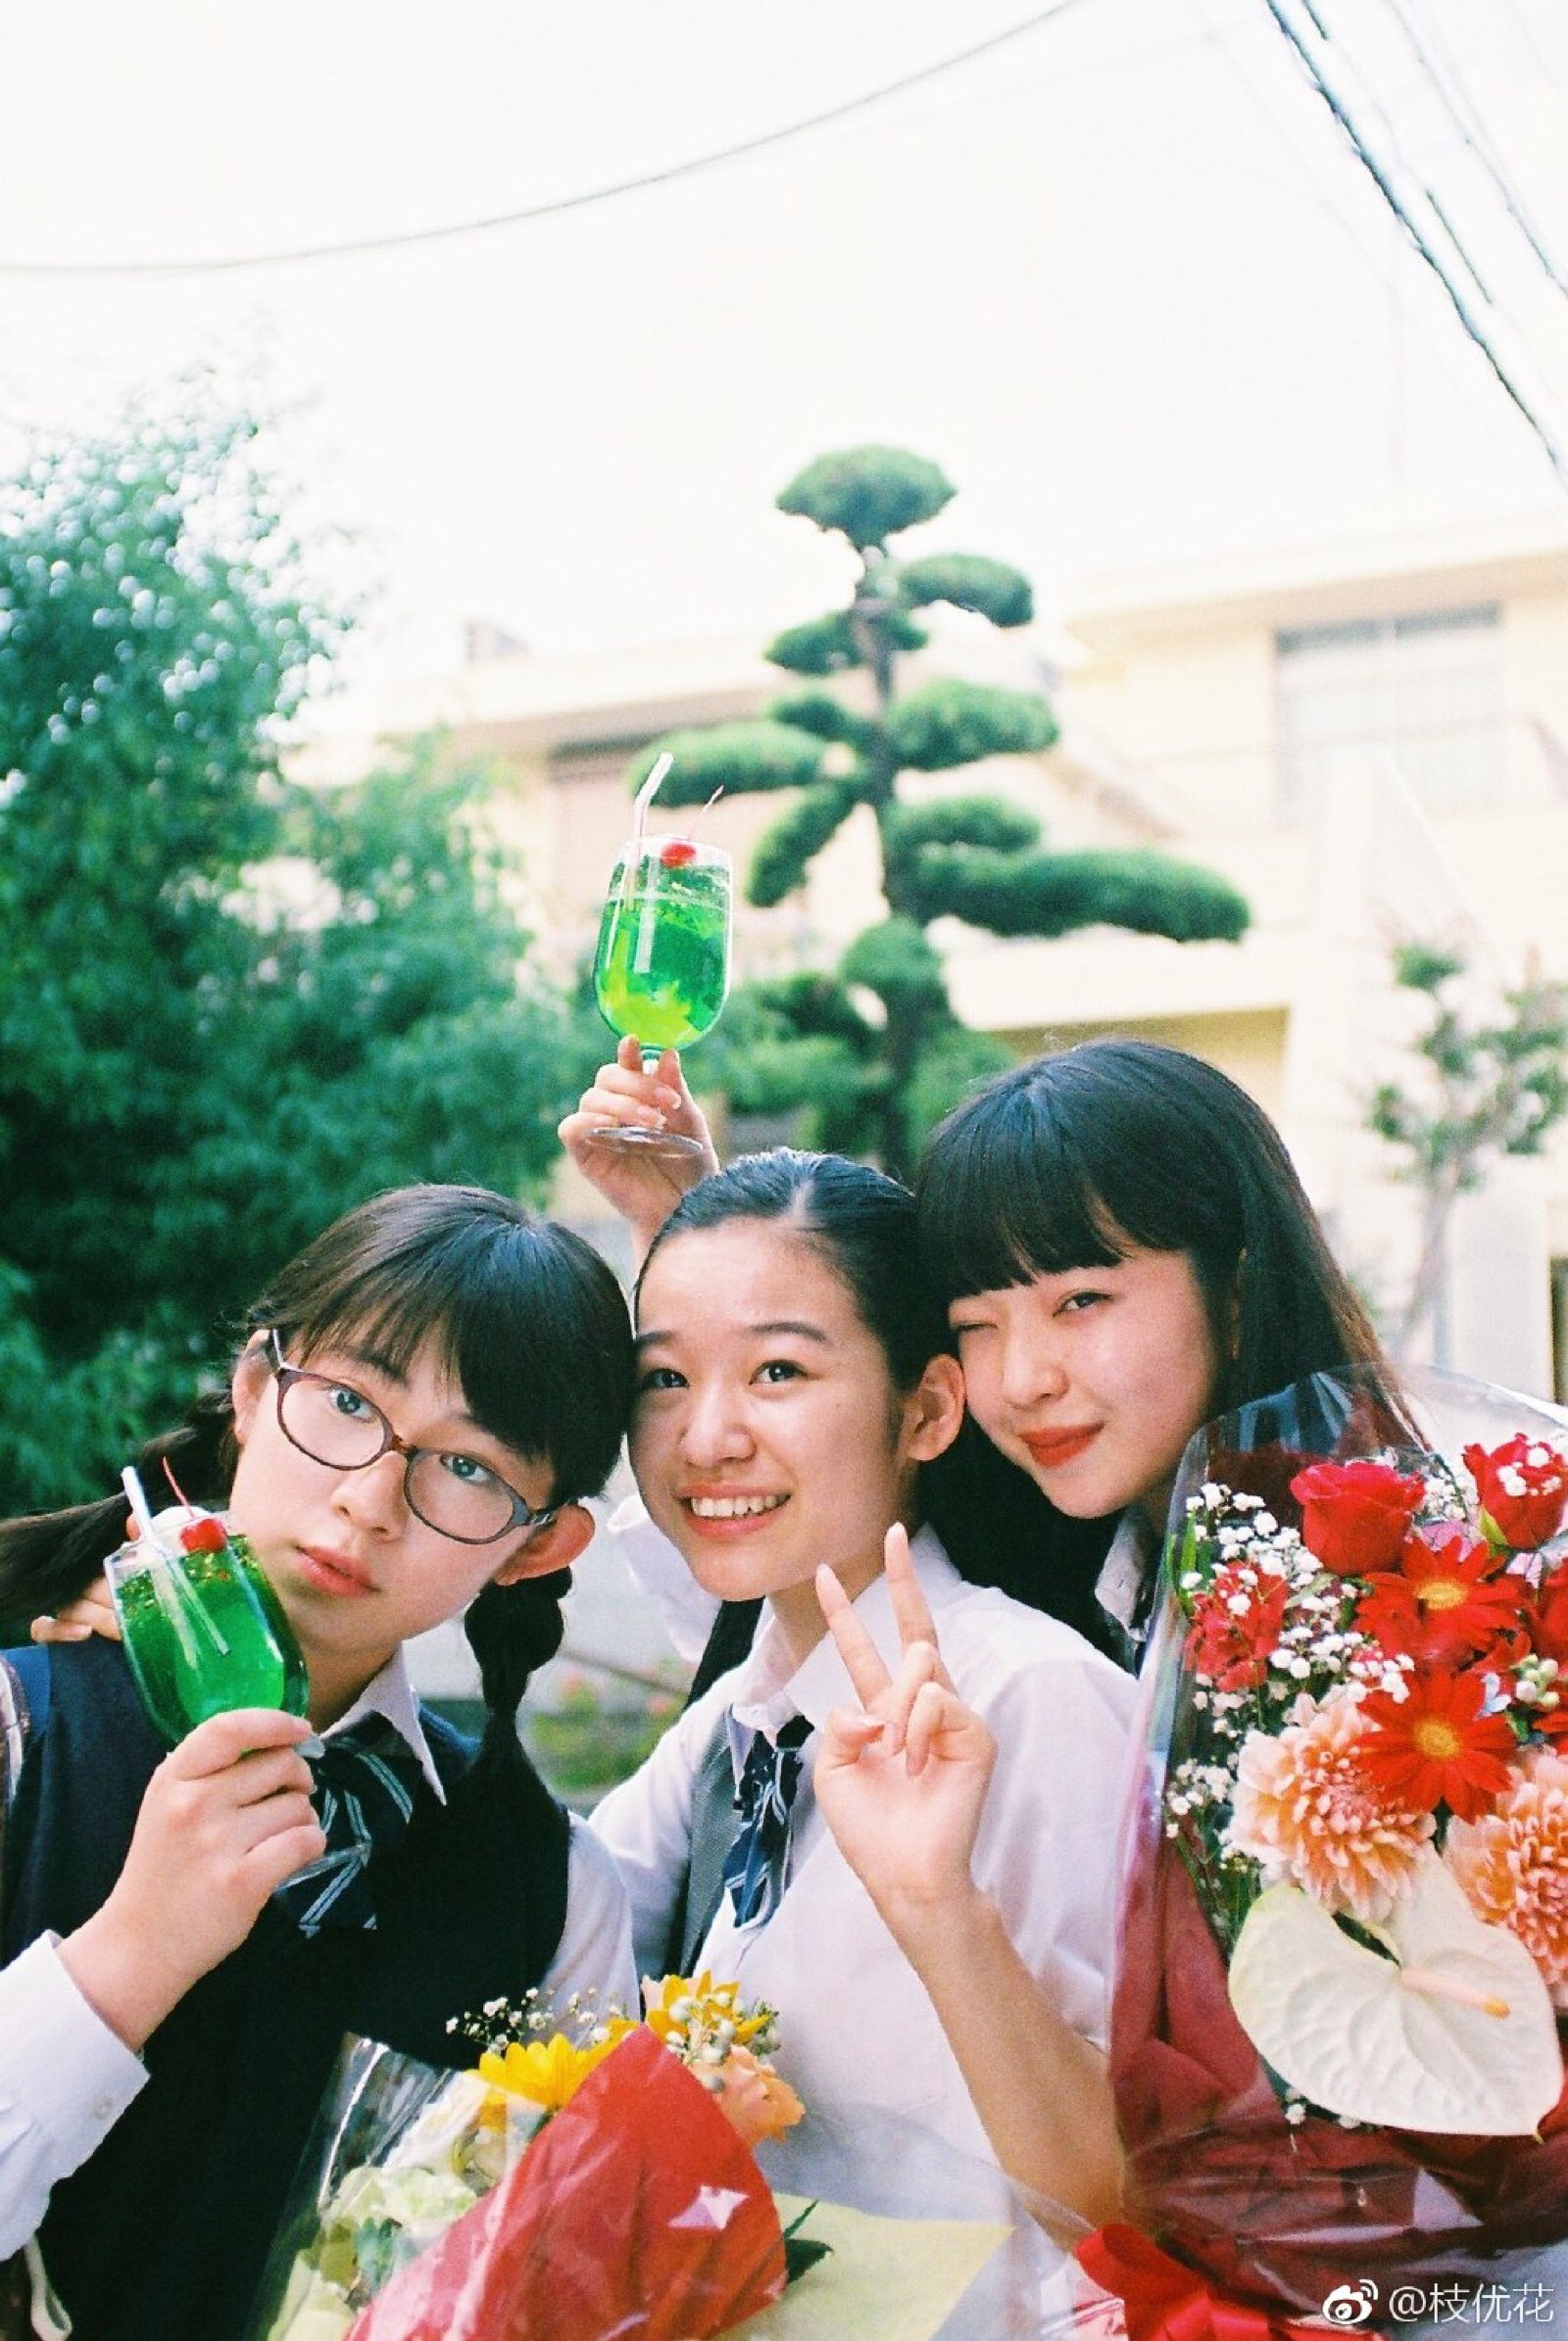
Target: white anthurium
1453,2032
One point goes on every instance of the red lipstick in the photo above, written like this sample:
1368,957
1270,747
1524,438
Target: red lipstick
1051,1449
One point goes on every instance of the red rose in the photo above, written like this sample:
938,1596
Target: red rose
1522,1488
1356,1516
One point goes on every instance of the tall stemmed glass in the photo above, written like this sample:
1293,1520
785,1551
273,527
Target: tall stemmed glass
662,970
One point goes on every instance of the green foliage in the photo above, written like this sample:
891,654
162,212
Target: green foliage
968,581
783,855
897,962
951,722
1485,1084
830,645
868,493
990,824
741,758
1425,966
228,1009
1055,893
823,646
826,718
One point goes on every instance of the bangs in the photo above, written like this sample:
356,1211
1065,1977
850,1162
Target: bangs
1002,1205
522,1315
457,1302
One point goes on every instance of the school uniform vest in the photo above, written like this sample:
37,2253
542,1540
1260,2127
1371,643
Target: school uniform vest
162,2235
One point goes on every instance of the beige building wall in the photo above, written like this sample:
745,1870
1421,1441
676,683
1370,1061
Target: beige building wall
1174,736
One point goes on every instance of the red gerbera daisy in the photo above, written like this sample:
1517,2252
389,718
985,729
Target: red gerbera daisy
1434,1746
1445,1603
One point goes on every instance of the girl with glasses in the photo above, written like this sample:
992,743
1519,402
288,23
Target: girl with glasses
426,1395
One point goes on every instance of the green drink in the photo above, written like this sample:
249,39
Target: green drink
662,970
203,1628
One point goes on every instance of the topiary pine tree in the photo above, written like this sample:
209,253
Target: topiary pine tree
873,1047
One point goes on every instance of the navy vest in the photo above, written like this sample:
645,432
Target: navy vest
162,2235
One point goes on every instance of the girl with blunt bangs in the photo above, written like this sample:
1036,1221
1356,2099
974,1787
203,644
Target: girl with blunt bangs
169,2003
1105,1156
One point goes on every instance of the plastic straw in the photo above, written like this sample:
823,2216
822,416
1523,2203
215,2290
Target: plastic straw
161,1569
639,815
136,1497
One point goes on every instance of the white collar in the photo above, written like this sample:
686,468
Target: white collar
391,1695
769,1691
1125,1582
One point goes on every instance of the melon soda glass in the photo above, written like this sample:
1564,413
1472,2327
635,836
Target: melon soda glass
203,1629
662,968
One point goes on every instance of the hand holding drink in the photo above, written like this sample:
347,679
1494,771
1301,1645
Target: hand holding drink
203,1628
662,968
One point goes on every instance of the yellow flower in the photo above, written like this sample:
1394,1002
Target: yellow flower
546,2073
695,2008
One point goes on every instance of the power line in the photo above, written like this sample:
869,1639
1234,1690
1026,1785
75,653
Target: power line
1385,189
709,161
1463,380
1474,138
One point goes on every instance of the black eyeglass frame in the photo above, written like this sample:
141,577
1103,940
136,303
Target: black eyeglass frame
523,1514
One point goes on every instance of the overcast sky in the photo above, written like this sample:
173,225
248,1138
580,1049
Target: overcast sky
1119,274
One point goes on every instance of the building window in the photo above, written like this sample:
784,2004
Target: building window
1426,689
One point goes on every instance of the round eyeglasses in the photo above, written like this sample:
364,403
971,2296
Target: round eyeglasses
335,1423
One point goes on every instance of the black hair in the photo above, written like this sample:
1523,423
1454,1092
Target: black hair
859,1220
1075,1157
526,1318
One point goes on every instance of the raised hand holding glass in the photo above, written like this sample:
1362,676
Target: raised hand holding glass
662,968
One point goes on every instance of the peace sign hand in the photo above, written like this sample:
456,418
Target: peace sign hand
902,1779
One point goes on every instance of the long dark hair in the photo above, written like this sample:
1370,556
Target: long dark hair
863,1223
1074,1157
524,1316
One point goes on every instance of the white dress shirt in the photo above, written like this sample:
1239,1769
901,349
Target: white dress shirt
859,2040
65,2079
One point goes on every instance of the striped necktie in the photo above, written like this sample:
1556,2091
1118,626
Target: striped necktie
366,1783
757,1861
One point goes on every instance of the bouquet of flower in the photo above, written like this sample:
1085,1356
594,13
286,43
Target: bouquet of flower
1342,1976
578,2183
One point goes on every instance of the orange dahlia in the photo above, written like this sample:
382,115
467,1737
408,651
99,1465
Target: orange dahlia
1306,1808
1436,1746
1513,1864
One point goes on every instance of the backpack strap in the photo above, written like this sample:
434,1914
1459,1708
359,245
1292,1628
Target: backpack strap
24,1680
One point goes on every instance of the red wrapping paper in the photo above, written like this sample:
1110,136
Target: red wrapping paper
636,2215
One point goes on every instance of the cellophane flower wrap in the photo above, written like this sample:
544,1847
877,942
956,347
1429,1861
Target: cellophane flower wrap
576,2186
1341,1990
